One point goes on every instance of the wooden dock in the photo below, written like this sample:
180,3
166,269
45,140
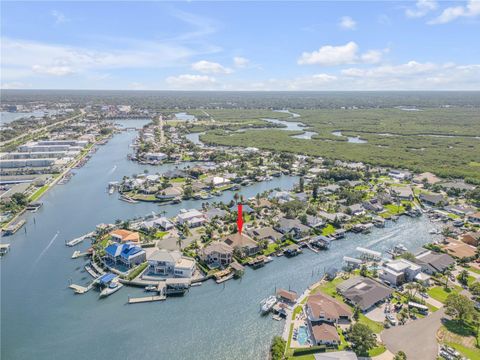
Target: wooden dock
79,239
79,289
144,299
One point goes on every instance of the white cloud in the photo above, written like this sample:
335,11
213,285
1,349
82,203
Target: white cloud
329,55
59,17
21,58
240,62
209,67
53,70
472,9
15,85
346,22
189,81
422,8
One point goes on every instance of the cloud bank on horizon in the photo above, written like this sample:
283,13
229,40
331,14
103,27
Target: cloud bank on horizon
422,45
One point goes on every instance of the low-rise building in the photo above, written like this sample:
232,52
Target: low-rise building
396,272
171,263
242,242
121,236
432,262
126,254
192,218
323,308
325,334
364,292
217,254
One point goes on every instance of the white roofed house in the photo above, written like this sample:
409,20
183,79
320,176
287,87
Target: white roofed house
399,271
171,264
192,218
160,223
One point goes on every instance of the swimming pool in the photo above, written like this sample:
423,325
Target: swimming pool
302,336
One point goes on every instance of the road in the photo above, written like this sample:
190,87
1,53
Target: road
417,339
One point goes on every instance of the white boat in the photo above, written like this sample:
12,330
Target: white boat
76,254
267,304
112,287
150,288
268,259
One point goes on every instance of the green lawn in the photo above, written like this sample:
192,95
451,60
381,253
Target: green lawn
472,354
375,326
394,209
377,351
160,234
271,248
439,293
38,193
328,230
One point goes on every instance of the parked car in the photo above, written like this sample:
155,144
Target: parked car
391,319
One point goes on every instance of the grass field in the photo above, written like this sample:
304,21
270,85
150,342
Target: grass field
440,294
441,141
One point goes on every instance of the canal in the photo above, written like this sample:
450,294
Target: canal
42,319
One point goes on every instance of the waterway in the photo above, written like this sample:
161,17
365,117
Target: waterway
42,319
350,139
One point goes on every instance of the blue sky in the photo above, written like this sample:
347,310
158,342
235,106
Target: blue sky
420,45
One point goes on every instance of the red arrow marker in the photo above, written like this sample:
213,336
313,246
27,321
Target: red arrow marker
239,219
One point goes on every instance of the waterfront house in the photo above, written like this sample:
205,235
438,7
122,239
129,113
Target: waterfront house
155,156
396,272
400,174
159,223
433,199
402,193
265,233
356,209
293,227
242,242
432,262
373,205
169,193
215,212
314,221
281,196
246,209
325,334
292,250
323,308
192,218
171,263
126,254
122,235
364,292
217,254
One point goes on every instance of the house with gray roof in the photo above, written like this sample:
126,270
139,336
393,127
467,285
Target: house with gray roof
364,292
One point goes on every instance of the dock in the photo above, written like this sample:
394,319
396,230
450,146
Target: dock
79,239
144,299
79,289
91,271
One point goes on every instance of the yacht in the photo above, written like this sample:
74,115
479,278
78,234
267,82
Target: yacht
267,304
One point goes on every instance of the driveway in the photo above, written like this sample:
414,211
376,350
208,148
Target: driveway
417,339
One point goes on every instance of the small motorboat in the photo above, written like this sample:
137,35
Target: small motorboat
112,287
150,288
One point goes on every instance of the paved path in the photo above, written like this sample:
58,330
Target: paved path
417,339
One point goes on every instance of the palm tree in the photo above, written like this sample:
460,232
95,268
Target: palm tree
179,243
447,274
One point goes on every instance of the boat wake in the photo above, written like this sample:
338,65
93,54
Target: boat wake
46,248
112,170
386,237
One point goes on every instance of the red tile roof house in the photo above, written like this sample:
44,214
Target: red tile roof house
323,308
122,236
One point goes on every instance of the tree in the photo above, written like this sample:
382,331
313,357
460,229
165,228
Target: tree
301,184
459,307
364,271
400,356
463,277
278,348
446,275
475,288
356,313
362,338
315,191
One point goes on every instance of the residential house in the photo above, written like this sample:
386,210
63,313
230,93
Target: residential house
402,192
159,223
169,193
217,253
325,334
122,235
265,233
471,238
126,254
396,272
474,218
315,222
433,199
192,218
293,227
215,212
323,308
400,174
171,263
242,242
432,262
364,292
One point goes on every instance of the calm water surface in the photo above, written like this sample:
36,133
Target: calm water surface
42,319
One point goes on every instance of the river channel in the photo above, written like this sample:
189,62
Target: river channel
42,319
